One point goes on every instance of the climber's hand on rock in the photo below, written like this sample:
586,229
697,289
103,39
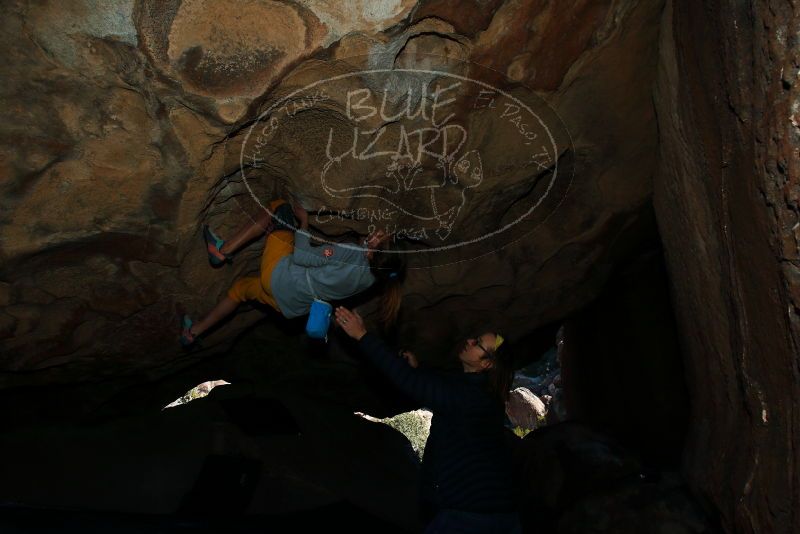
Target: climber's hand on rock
302,215
376,239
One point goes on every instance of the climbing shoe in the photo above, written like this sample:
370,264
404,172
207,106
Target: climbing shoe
213,246
187,338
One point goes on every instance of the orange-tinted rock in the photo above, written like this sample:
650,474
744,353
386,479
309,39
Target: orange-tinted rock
220,49
537,42
468,17
115,153
367,16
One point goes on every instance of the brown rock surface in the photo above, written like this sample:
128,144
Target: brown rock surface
727,205
537,42
467,16
123,155
123,125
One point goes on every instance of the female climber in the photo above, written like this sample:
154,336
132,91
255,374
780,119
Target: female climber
466,473
293,272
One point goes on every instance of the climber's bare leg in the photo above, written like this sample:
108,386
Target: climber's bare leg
251,230
223,308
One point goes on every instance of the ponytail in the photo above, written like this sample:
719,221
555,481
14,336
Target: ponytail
391,299
389,271
501,373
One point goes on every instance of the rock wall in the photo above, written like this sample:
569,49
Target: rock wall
726,196
122,132
123,124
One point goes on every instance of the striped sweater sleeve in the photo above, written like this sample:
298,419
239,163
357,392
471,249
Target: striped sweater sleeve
426,387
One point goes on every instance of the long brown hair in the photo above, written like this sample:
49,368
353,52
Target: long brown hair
389,271
501,373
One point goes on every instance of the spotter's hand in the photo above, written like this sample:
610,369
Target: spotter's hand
409,357
351,323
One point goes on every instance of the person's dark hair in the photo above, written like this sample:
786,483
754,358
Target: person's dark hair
501,373
389,271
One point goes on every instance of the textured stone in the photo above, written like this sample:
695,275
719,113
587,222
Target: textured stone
7,325
525,409
368,16
725,195
56,26
467,16
220,49
123,126
575,479
124,153
527,40
5,294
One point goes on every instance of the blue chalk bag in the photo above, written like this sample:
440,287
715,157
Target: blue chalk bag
319,317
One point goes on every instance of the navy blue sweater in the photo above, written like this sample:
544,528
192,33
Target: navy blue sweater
467,464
